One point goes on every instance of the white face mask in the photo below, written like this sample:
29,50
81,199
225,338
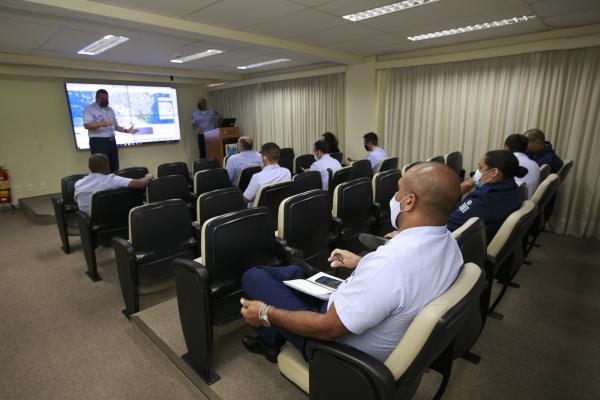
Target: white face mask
395,209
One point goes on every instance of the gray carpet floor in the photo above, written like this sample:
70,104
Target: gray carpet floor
63,336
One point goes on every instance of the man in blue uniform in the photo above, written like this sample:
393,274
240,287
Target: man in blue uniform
204,119
541,151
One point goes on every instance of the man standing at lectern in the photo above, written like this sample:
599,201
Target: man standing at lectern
204,119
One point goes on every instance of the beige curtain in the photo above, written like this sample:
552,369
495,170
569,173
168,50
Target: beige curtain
472,106
292,113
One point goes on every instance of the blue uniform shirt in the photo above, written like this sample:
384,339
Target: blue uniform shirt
207,119
547,156
492,202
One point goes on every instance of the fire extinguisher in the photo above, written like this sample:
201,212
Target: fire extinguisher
4,187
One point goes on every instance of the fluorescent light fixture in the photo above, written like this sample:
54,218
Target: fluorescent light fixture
215,84
472,28
196,56
390,8
260,64
99,46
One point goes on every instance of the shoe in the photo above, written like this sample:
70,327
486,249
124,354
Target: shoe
255,344
308,270
371,242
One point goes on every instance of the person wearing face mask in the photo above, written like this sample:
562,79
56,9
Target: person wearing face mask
495,196
272,172
323,162
375,153
204,119
372,309
100,121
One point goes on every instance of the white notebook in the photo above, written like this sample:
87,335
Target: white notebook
320,285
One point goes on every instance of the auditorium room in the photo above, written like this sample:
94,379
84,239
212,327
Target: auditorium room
300,199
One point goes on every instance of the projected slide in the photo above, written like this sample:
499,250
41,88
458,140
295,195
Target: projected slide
150,109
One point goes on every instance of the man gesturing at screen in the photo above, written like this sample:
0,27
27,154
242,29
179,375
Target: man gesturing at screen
100,121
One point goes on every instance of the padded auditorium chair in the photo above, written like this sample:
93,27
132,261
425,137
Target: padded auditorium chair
288,163
209,288
437,159
170,187
338,156
331,370
65,209
305,223
218,202
362,169
523,191
564,171
409,166
542,197
506,249
471,240
158,233
387,164
353,207
287,152
384,186
205,163
243,179
109,217
133,172
545,170
303,162
341,175
210,179
174,168
272,195
455,161
306,181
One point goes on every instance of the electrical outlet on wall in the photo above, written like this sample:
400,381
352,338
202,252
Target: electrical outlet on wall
17,188
43,186
29,187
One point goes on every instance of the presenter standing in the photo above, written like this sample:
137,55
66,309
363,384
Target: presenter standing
204,119
100,121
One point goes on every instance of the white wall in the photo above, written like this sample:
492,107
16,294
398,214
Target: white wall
37,144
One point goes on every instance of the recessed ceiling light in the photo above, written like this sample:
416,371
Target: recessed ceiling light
390,8
196,56
472,28
101,45
215,84
260,64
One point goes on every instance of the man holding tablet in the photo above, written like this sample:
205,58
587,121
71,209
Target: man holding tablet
100,121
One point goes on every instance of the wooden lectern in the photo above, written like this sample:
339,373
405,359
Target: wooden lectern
216,140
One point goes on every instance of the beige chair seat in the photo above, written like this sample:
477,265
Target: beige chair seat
293,366
156,287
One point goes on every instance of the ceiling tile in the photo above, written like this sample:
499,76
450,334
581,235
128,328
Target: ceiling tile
29,36
566,20
310,3
236,14
177,8
296,24
337,34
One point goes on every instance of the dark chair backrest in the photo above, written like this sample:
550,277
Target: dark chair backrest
304,221
437,159
234,242
511,232
169,187
109,209
352,203
338,156
133,172
287,152
288,163
455,161
409,166
523,191
545,171
384,186
272,195
210,179
340,176
362,169
174,168
306,181
387,164
218,202
303,162
245,175
67,189
564,171
205,163
161,227
545,191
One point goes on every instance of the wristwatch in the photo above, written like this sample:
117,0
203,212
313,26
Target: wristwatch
263,316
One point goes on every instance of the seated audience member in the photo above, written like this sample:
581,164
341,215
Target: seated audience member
323,162
271,172
540,151
517,144
495,195
376,154
100,178
331,141
245,158
373,308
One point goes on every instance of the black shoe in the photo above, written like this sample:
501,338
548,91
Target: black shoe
255,344
371,242
308,270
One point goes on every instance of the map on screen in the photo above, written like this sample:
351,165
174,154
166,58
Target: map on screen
150,109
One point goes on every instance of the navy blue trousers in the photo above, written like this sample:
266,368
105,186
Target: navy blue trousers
108,147
266,284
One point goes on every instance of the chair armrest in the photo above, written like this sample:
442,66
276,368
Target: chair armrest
284,252
376,209
220,289
127,272
335,367
337,227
